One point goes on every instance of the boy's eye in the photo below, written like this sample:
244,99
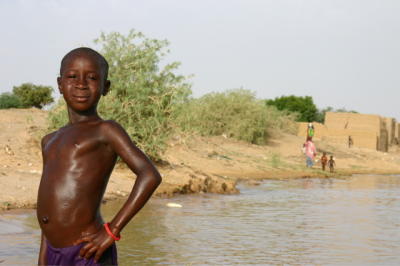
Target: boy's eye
92,77
72,76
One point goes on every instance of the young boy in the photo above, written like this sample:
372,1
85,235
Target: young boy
324,160
77,162
331,164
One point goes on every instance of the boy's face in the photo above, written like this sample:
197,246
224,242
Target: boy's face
82,82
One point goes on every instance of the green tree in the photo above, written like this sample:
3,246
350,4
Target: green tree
304,106
31,95
9,100
145,97
321,114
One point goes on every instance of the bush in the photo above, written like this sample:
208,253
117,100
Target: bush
31,95
58,115
235,113
9,100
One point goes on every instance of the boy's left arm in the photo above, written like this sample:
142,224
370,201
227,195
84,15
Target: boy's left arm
148,179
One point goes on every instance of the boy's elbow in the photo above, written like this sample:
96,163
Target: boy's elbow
157,179
154,178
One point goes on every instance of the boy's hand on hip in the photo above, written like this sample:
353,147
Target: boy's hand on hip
97,243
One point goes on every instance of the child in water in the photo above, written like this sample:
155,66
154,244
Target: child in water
324,160
331,164
77,162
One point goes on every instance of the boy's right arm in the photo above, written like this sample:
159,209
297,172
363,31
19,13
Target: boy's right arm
43,250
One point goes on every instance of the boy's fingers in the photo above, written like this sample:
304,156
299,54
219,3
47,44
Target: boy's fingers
85,249
90,252
80,240
83,239
98,254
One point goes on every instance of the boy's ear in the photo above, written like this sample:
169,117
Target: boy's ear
59,84
106,89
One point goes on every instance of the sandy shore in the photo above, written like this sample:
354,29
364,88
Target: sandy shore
192,164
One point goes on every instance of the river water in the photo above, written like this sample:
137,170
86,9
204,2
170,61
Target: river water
354,221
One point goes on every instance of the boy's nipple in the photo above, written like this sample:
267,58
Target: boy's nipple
45,219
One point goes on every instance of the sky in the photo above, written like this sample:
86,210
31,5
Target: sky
343,53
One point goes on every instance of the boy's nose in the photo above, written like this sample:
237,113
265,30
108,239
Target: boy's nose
82,83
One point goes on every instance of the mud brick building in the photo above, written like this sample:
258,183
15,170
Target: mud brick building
367,131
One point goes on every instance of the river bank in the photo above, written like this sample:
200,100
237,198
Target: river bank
192,164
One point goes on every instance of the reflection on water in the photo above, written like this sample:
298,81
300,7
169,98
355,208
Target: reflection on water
19,236
304,221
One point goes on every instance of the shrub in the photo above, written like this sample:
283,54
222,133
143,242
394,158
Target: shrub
235,113
58,115
9,100
31,95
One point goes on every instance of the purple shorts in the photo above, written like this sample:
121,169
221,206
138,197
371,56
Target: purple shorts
70,256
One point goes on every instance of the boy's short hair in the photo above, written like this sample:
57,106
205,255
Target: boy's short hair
103,62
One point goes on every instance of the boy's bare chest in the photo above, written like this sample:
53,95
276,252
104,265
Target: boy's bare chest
73,142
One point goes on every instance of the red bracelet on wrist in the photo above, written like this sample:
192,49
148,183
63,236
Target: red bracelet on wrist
107,227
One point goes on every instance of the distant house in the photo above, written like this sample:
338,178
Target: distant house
367,131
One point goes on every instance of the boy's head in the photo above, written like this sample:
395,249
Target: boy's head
331,157
324,153
90,52
83,78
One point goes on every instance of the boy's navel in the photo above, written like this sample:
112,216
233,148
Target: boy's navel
45,219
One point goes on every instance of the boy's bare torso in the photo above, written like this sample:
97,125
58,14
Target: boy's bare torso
77,163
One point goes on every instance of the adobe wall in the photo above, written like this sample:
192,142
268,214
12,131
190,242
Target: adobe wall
352,121
397,134
367,131
391,129
383,140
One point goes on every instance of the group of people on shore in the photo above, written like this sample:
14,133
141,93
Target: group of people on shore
310,151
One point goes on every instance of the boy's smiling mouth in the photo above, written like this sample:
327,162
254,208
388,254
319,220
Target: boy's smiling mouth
81,98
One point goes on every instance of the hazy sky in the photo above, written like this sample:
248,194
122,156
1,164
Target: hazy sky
344,53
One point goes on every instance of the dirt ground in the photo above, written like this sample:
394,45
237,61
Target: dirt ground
191,164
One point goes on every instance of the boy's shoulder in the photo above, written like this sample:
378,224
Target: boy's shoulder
110,126
111,130
107,131
47,137
106,126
